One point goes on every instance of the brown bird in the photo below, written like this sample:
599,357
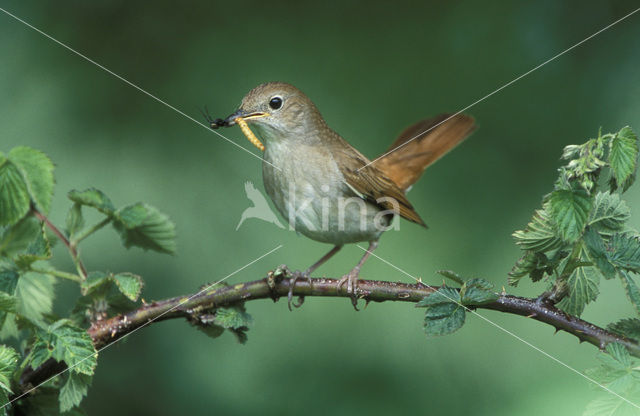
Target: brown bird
325,188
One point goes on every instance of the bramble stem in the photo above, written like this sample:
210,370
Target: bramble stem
88,231
72,249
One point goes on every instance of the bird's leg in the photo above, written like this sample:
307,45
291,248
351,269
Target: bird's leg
351,278
307,275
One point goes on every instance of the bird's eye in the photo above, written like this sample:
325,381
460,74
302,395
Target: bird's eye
275,103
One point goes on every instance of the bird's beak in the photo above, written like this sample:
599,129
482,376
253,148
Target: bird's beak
231,120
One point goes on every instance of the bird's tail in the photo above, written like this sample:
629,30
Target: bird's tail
421,144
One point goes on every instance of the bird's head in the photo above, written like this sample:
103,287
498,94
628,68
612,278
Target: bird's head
280,111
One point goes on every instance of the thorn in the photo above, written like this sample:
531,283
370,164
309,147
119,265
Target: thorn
366,303
532,315
504,292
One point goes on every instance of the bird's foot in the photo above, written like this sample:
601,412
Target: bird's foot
351,279
292,282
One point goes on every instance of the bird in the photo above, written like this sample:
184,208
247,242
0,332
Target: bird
326,189
260,208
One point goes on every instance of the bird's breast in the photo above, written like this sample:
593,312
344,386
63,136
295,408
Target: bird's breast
307,187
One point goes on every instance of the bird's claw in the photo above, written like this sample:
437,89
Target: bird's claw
292,282
351,279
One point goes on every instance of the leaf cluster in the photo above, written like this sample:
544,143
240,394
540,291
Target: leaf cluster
580,234
35,336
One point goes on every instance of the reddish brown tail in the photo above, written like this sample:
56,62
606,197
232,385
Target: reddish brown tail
413,154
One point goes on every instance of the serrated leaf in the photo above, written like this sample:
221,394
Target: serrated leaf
534,264
234,317
34,295
597,252
450,274
609,214
583,288
38,249
8,363
607,404
93,198
17,238
569,211
37,171
619,353
102,299
539,234
442,296
623,156
443,319
624,249
73,390
75,220
129,284
631,289
14,195
7,302
64,341
143,226
477,292
628,327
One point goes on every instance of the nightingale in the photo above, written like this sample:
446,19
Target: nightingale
325,188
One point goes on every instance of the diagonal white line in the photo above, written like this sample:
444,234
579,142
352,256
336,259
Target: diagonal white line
503,87
143,325
133,85
546,354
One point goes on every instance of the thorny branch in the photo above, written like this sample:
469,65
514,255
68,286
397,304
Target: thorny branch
107,331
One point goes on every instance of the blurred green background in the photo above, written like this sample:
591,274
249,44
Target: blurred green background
372,68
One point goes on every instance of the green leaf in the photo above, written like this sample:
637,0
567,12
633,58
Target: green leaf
477,292
450,274
75,220
443,319
93,198
597,252
128,284
569,211
606,404
64,341
623,156
17,238
629,327
624,249
38,249
631,289
583,288
143,226
102,298
14,195
8,363
539,234
34,294
441,296
609,214
535,265
619,353
234,317
73,390
7,302
37,170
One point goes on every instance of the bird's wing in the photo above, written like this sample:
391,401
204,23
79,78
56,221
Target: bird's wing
371,183
421,144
